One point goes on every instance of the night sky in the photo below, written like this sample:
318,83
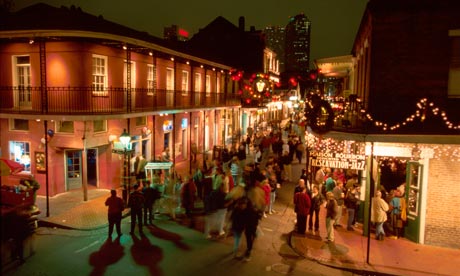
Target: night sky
334,22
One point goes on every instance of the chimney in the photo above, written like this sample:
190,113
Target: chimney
241,23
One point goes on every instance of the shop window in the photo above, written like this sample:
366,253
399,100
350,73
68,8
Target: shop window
19,124
20,152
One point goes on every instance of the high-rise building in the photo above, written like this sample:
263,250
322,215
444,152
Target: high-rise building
275,39
175,33
297,49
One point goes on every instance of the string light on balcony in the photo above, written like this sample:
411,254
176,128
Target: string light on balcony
423,109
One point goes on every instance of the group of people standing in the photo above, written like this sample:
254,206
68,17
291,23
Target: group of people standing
328,186
389,213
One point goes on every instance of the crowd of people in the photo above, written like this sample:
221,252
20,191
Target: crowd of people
334,189
237,193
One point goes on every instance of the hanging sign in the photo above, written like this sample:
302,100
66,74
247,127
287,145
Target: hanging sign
338,160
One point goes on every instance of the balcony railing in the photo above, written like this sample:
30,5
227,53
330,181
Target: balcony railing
85,100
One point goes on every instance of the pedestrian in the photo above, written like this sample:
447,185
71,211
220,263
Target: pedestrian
273,187
136,204
216,211
238,219
265,185
316,202
188,195
379,214
150,195
165,157
331,214
198,179
19,229
116,207
140,169
302,205
351,200
286,161
339,195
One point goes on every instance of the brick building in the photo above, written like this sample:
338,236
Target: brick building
73,83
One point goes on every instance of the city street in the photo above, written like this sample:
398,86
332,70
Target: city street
170,248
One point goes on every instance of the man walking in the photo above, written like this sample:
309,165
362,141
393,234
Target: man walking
136,203
116,207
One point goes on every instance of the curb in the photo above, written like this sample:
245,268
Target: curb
325,263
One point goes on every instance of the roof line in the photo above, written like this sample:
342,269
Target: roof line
98,35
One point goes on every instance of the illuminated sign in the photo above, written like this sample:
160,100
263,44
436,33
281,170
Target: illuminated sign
338,160
183,33
167,125
184,123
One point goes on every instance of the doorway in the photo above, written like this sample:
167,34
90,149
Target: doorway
73,169
91,163
166,139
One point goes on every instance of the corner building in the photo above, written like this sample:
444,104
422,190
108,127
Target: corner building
73,83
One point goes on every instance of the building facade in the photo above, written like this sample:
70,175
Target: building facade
72,84
400,107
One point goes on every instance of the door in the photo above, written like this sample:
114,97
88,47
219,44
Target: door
413,196
73,169
166,141
23,95
91,163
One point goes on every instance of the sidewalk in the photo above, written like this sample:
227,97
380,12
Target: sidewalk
349,251
394,257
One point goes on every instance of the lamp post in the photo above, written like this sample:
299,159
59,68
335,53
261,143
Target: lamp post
126,151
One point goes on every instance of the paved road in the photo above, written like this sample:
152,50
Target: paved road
170,248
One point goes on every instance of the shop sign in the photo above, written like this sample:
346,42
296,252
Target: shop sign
158,165
338,160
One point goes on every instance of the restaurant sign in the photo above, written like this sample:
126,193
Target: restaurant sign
338,160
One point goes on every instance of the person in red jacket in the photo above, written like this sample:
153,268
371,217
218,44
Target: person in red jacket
302,205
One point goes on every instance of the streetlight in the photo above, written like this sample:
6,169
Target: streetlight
126,151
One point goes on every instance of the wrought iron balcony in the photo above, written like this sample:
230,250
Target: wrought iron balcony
87,100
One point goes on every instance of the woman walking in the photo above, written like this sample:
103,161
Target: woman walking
379,214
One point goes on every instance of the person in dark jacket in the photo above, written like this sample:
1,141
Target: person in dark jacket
188,196
136,203
116,207
150,197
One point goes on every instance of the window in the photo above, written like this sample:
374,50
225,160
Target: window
184,87
208,85
218,84
20,152
19,124
197,82
100,83
64,126
454,65
21,80
132,75
151,79
141,121
169,79
100,125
